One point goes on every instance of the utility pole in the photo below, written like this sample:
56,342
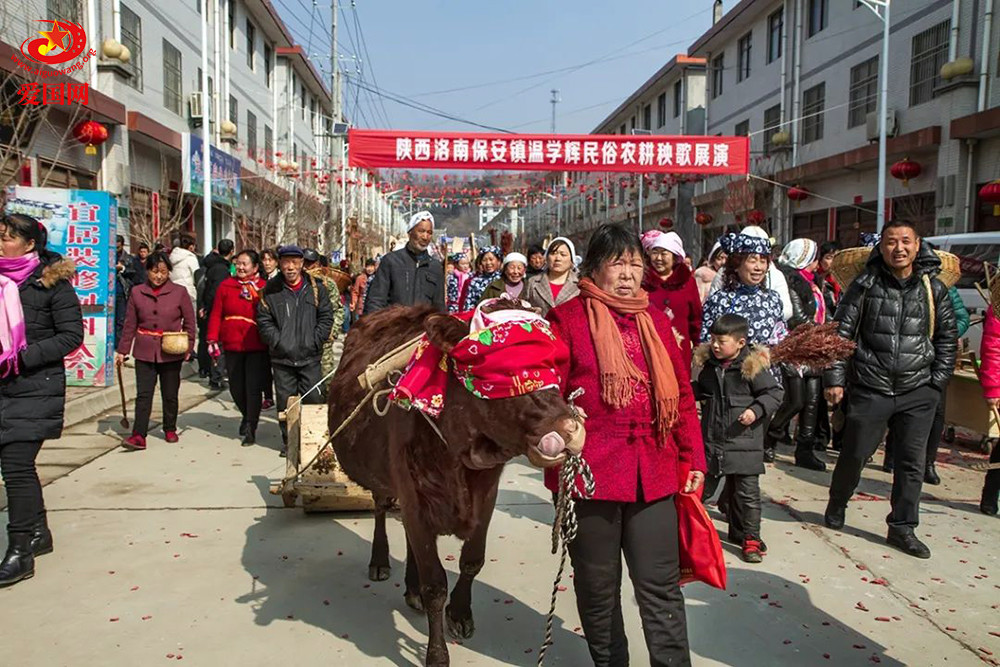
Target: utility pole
561,188
335,142
555,101
883,105
206,135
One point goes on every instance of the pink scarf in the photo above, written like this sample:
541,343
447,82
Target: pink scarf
817,296
14,272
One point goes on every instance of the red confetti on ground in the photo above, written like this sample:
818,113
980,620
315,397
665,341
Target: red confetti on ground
860,606
529,650
449,557
883,619
995,634
177,555
340,553
345,636
986,651
879,582
861,567
826,622
949,628
111,571
859,646
113,620
875,658
826,655
576,629
134,588
367,586
508,602
326,603
170,655
787,642
764,596
188,535
560,588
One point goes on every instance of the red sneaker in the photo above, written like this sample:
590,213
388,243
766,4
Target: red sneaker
170,436
135,442
751,551
266,404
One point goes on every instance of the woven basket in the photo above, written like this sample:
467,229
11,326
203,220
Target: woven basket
848,265
174,342
993,282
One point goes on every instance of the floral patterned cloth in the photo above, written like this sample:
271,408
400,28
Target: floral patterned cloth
456,282
476,287
510,357
760,307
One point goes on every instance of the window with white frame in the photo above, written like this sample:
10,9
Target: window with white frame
251,43
742,128
661,110
268,64
251,134
775,35
930,52
819,15
172,86
647,117
718,68
813,102
132,39
63,10
678,97
744,53
864,92
772,125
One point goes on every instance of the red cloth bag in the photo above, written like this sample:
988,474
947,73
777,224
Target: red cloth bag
698,542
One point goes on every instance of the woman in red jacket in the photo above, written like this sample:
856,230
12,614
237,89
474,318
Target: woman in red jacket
155,307
672,287
644,445
232,325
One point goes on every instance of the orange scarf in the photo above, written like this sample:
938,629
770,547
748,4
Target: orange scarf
619,374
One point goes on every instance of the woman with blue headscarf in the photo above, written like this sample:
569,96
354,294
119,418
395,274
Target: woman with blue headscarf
488,264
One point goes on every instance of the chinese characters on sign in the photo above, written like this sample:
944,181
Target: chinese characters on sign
226,171
35,94
650,153
81,225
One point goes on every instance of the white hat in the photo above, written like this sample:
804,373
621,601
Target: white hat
572,248
671,242
417,218
799,253
515,257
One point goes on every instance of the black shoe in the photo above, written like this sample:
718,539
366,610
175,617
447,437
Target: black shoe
769,455
212,384
244,426
732,538
907,542
986,507
931,476
887,465
248,438
834,516
806,458
284,451
19,562
41,539
204,374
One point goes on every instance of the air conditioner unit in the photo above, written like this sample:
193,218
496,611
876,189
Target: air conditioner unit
891,127
195,109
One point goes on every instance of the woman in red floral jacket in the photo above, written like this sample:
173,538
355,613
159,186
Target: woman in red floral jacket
232,323
643,445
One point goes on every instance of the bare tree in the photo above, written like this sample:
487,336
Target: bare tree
260,212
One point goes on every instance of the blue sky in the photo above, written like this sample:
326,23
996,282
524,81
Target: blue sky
498,60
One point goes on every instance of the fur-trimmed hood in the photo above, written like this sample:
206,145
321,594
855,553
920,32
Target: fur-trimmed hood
63,268
753,359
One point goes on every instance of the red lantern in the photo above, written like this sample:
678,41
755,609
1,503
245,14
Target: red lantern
756,217
797,194
92,133
666,223
904,170
703,218
990,193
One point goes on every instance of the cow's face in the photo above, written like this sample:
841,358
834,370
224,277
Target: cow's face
487,433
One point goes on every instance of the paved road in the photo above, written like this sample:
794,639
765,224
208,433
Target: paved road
179,552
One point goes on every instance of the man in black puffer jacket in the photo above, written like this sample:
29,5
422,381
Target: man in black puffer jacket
410,276
903,322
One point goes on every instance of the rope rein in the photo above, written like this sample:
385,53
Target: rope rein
575,470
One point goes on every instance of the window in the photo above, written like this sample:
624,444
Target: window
661,110
743,58
775,35
813,101
718,67
251,43
631,124
63,10
232,24
864,92
295,152
268,143
678,98
132,38
312,114
742,129
251,134
268,64
772,125
819,15
172,90
647,117
622,129
234,111
302,102
930,51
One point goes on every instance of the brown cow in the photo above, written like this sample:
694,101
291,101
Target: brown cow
442,489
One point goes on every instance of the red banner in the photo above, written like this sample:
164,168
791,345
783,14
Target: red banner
455,151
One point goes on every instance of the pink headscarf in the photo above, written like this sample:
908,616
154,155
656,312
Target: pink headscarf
14,272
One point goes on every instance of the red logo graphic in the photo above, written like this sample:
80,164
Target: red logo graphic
62,42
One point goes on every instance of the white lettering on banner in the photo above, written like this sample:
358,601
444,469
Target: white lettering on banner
498,150
422,149
609,153
683,155
404,148
590,152
664,154
646,153
702,155
628,153
536,152
480,150
720,155
442,150
460,150
553,151
518,150
572,151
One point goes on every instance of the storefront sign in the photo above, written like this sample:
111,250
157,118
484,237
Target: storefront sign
81,225
546,152
225,172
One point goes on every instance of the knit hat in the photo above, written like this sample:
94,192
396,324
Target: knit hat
417,218
745,244
671,242
649,237
799,253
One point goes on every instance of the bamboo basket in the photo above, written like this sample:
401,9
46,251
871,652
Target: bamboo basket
174,342
848,264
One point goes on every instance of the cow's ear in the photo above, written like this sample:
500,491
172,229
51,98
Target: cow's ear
445,331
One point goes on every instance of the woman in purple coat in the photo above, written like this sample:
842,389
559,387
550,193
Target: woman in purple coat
155,307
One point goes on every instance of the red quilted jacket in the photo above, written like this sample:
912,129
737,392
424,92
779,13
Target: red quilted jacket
989,371
232,321
621,445
679,295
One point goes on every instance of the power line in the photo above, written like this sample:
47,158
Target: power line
368,59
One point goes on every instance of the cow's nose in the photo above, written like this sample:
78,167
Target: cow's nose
552,444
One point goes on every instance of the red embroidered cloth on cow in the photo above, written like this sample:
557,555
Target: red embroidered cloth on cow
513,355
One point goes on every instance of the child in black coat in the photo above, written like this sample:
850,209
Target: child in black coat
739,394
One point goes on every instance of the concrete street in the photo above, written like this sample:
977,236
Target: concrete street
179,552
